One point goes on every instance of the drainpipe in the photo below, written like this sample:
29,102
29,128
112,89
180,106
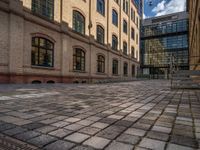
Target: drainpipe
90,44
108,52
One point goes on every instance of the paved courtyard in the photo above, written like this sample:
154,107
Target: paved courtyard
136,115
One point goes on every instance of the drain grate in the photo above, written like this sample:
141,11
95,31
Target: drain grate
8,143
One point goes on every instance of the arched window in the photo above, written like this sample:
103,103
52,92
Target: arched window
79,59
132,14
114,17
115,67
101,6
44,8
133,70
42,52
125,48
137,38
114,42
133,33
125,27
132,52
100,34
125,69
100,64
78,22
125,6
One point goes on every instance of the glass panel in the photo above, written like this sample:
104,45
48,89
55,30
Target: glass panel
42,42
49,45
34,56
43,7
49,58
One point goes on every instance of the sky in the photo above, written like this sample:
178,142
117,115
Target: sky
163,7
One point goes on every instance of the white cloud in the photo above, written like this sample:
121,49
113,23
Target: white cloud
144,16
173,6
160,7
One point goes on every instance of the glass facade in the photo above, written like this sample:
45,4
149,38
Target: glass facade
161,41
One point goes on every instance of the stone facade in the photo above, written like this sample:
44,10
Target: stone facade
19,24
194,11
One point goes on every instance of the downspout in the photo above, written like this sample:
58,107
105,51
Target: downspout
90,44
61,12
108,52
120,39
129,38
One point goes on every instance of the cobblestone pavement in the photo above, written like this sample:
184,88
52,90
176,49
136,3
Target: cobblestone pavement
136,115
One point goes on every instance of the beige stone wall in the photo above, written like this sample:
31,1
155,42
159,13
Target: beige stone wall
18,26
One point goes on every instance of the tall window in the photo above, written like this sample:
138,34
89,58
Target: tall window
79,59
115,67
44,8
125,6
100,64
133,70
132,15
132,52
114,17
137,38
125,48
125,27
101,6
114,42
42,53
137,22
125,69
78,22
133,33
100,34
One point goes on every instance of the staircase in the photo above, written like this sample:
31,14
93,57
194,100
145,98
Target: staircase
185,79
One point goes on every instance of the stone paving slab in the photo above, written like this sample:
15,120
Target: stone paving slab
136,115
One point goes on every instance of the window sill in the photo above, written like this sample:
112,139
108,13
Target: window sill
100,73
100,43
126,55
43,17
116,75
102,14
78,33
79,71
115,50
116,25
42,67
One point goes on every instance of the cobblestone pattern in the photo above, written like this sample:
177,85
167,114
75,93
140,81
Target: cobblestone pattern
121,116
7,143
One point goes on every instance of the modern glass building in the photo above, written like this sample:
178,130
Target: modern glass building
164,38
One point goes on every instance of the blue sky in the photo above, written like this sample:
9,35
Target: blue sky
163,7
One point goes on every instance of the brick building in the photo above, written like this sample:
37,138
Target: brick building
68,40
